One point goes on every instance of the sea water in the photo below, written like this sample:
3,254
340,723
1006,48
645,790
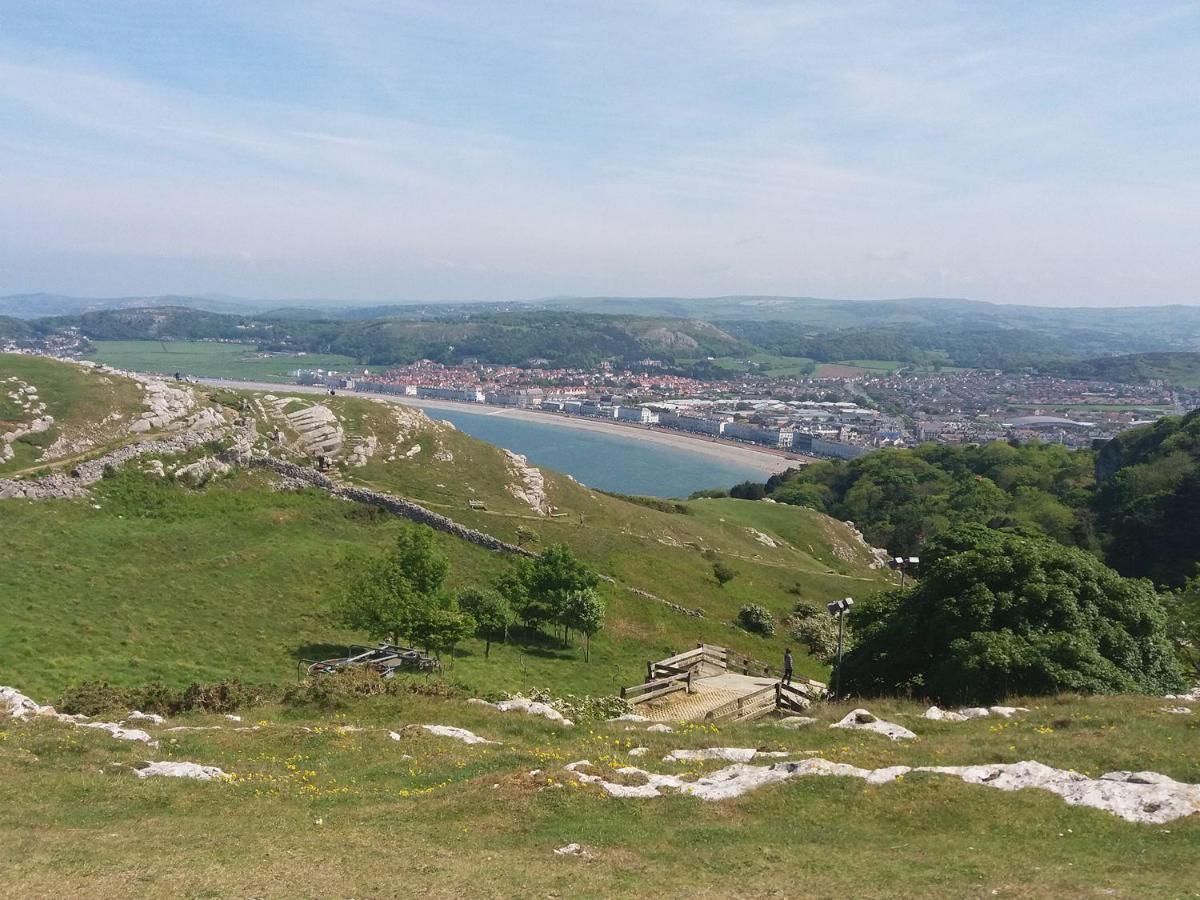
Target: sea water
608,462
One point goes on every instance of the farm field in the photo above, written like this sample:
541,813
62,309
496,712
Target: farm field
210,359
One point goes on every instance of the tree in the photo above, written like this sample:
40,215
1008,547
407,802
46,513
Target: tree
584,611
723,573
538,589
526,535
442,628
997,613
490,612
388,597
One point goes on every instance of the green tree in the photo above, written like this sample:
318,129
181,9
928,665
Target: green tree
538,589
490,612
584,611
723,573
997,613
441,628
388,597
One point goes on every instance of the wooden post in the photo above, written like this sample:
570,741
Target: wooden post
649,670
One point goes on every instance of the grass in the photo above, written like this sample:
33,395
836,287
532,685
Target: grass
314,811
163,582
73,395
207,359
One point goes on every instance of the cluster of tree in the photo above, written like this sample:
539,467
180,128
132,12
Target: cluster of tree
999,614
555,589
902,498
401,597
1147,505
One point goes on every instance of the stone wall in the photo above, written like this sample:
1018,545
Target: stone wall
406,509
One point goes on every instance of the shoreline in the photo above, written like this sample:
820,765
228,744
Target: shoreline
762,459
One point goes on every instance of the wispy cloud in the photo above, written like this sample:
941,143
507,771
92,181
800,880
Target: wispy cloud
440,150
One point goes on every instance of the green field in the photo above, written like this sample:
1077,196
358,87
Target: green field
209,359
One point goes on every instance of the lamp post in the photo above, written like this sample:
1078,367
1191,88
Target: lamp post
838,608
904,564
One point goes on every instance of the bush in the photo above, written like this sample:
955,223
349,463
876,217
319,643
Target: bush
756,619
340,690
999,614
815,629
337,689
94,698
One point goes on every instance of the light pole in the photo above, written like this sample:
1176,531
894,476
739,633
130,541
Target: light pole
904,564
838,608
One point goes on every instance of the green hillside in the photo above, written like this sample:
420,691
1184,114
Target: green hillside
1177,369
167,581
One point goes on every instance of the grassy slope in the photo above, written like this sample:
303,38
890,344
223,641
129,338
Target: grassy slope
76,398
208,359
320,813
164,581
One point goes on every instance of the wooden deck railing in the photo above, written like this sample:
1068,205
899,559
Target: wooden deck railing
677,672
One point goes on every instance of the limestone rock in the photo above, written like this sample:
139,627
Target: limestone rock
862,720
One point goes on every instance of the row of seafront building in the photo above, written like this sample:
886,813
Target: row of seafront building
720,425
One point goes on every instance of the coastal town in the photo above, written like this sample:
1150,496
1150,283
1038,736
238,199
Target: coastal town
841,413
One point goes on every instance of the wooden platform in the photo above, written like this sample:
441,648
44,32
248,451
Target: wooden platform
713,684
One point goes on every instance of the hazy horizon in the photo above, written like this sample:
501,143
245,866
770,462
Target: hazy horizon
482,153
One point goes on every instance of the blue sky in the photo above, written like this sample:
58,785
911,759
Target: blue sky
1015,152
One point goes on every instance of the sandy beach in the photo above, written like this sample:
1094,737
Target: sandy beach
761,459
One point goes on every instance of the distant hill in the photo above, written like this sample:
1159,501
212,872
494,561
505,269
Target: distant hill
1178,369
1084,331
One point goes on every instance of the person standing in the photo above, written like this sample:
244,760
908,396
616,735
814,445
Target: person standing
787,666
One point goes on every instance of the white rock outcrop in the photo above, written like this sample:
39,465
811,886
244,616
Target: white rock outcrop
459,734
943,715
862,720
728,754
1140,797
168,769
527,706
530,486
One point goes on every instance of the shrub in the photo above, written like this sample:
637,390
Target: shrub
997,614
94,698
815,629
756,619
340,690
337,689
